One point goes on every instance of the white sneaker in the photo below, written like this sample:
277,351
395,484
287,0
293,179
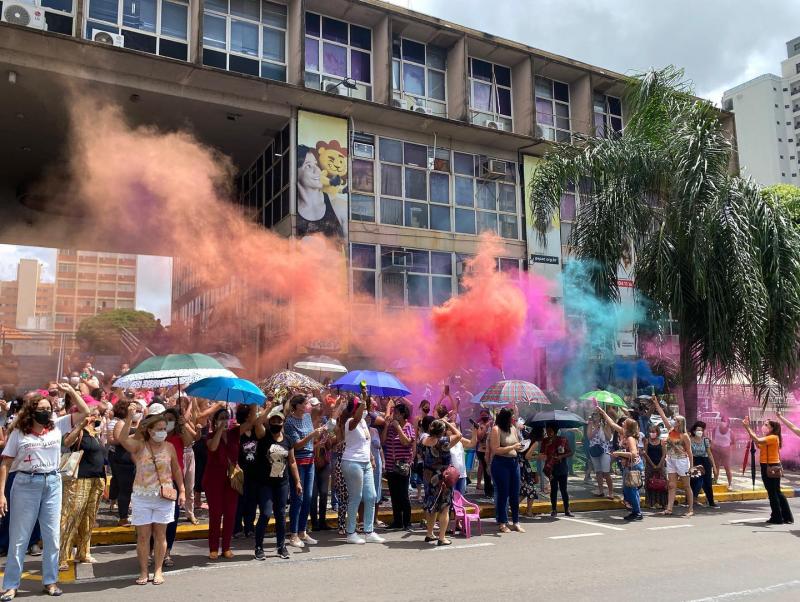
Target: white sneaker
354,538
296,543
375,538
309,540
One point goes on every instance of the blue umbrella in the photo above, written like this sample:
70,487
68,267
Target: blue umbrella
224,388
378,383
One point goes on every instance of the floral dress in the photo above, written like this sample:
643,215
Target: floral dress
340,487
527,479
436,458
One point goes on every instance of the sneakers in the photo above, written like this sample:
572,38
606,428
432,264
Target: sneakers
374,538
35,550
309,540
296,542
283,552
355,539
568,513
633,516
260,554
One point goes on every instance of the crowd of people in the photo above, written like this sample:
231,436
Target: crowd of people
169,455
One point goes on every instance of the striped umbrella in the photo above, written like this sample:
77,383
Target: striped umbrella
506,392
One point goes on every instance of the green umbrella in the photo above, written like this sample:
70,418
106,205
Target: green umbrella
171,370
605,398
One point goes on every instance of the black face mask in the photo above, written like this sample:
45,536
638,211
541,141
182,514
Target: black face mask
97,423
42,417
275,428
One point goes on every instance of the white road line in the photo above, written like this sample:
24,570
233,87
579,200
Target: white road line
747,593
574,536
759,519
592,524
668,527
464,547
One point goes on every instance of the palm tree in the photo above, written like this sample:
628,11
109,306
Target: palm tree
710,249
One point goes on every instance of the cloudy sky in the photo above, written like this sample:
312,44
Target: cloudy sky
720,44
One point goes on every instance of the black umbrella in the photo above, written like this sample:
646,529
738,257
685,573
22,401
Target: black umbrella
753,462
562,418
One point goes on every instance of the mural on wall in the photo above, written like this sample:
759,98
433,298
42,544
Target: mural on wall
322,175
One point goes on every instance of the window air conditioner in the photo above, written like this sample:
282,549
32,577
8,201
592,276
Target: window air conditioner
104,37
334,87
400,103
424,110
494,125
394,261
493,169
24,13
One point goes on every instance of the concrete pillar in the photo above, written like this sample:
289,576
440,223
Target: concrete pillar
196,32
457,81
580,101
382,60
295,31
522,96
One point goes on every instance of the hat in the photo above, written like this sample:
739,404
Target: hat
313,401
155,408
276,411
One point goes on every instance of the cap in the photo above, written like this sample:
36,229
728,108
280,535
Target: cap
156,408
276,411
313,401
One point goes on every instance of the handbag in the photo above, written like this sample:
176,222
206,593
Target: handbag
167,492
236,477
402,468
69,464
633,479
775,471
656,483
596,450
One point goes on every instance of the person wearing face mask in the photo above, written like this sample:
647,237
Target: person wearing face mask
678,449
81,496
154,495
33,452
485,425
417,479
123,469
654,476
252,466
703,456
769,455
722,442
180,435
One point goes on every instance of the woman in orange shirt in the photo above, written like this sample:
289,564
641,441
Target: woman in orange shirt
769,455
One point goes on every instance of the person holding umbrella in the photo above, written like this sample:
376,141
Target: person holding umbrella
554,452
769,454
506,444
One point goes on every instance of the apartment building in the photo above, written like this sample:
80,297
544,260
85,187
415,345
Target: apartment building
436,127
767,110
26,303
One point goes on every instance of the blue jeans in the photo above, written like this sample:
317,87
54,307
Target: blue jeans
301,506
377,473
631,494
505,474
36,535
360,487
34,497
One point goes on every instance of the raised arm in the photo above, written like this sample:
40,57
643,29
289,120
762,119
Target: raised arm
124,436
753,436
455,434
83,409
789,424
610,421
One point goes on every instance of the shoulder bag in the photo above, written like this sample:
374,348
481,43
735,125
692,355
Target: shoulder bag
71,461
775,471
167,492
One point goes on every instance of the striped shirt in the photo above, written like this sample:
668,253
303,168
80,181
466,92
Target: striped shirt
394,450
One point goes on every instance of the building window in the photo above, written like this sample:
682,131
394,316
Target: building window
568,213
552,110
418,76
264,185
335,51
245,36
59,16
154,26
416,278
797,68
362,197
490,94
795,88
363,272
607,115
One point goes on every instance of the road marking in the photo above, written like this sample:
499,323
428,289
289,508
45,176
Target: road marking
574,536
747,593
759,519
668,527
464,547
592,524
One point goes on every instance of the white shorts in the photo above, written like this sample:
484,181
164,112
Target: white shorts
148,509
679,466
601,463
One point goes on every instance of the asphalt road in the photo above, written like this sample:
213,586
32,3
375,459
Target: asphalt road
722,555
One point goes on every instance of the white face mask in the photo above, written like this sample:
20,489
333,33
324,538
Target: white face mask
170,426
698,433
137,416
158,436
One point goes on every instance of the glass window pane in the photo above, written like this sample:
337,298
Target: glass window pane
334,59
248,9
273,14
414,79
174,50
616,124
272,71
364,285
65,5
244,65
360,37
414,51
362,256
508,198
395,75
562,123
362,208
566,232
105,10
561,91
392,289
463,164
440,188
391,179
391,150
441,159
312,24
437,57
508,226
363,175
481,96
441,290
440,217
614,106
487,221
244,37
273,44
334,30
396,43
502,75
213,31
139,14
360,66
544,108
416,185
487,195
416,215
562,136
418,290
544,87
440,263
415,154
218,5
568,207
465,195
436,86
173,20
562,110
213,58
504,101
312,54
392,212
419,262
481,70
465,221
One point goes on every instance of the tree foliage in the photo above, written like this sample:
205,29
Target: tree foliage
102,332
786,195
710,248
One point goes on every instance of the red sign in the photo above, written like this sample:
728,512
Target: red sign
623,283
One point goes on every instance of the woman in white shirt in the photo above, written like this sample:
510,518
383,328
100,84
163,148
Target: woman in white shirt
33,451
357,467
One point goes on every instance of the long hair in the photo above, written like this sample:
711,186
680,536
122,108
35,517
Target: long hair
24,420
776,430
178,430
503,420
631,428
680,424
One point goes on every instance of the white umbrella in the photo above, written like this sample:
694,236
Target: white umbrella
169,378
227,360
321,363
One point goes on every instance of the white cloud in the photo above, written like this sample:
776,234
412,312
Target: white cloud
11,254
154,286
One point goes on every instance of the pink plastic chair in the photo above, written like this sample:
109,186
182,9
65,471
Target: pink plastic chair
466,513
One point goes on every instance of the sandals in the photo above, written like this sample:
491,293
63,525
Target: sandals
443,542
142,581
169,562
664,512
689,514
158,580
518,528
193,519
52,590
227,554
504,529
8,595
213,555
